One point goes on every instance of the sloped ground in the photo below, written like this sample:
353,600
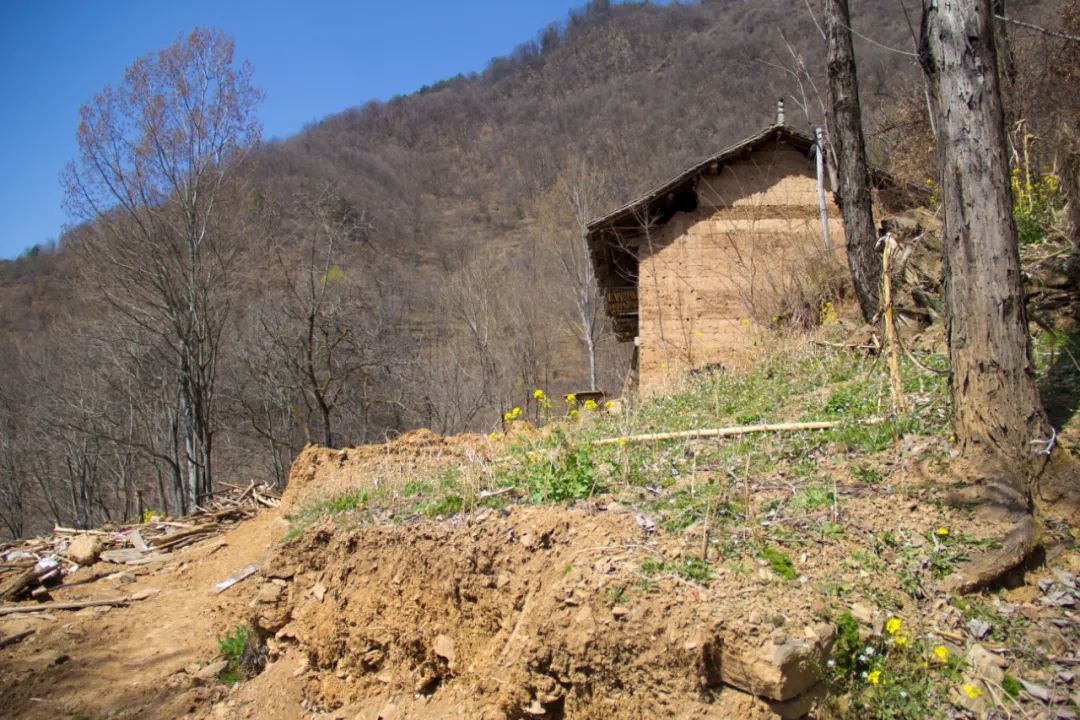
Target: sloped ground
544,575
142,660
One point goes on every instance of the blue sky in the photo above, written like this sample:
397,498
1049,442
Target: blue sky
312,59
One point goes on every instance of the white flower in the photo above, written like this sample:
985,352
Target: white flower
869,651
831,663
863,675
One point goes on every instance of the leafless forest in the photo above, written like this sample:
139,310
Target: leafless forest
418,263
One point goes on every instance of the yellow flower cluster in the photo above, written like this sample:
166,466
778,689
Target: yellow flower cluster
512,415
590,405
941,653
874,678
893,627
942,532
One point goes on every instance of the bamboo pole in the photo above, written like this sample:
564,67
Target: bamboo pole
734,430
892,341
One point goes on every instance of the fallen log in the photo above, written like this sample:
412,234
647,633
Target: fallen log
735,430
63,606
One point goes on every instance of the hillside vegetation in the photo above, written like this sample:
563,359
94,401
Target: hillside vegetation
415,251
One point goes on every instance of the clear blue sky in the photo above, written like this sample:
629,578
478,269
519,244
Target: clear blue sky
311,59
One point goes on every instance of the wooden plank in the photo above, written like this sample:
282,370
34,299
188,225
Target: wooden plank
136,539
244,572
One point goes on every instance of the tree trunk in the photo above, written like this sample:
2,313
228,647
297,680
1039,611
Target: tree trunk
846,134
997,412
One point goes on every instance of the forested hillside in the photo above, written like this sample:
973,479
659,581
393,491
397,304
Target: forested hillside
415,263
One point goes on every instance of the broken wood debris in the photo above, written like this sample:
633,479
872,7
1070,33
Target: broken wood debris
34,567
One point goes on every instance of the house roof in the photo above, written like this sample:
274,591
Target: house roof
630,214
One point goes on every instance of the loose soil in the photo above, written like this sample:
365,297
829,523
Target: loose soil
497,614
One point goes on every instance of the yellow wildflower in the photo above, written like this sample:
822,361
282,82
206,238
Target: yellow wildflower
941,653
892,626
622,442
746,321
538,394
573,414
971,691
874,678
590,405
571,399
609,405
942,532
900,641
494,435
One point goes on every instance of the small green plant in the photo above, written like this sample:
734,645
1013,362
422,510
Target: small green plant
445,506
615,595
780,563
232,647
812,497
695,570
692,569
563,473
1011,686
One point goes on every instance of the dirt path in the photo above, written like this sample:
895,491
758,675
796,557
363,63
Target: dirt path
140,660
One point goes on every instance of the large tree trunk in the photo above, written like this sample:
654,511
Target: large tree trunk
846,135
997,412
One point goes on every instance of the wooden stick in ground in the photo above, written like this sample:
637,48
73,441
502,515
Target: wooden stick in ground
12,639
888,247
735,430
62,606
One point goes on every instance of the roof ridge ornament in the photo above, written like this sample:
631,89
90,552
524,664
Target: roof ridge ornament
780,111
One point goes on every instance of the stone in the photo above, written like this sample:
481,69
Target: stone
986,663
1036,691
122,578
619,612
444,648
978,628
319,591
863,613
211,671
778,672
269,593
85,549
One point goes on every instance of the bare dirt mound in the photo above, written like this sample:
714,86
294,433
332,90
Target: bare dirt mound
525,614
320,472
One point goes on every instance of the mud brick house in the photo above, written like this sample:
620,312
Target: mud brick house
687,269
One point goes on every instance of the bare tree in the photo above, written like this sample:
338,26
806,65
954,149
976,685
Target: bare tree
997,412
317,334
156,156
580,191
846,134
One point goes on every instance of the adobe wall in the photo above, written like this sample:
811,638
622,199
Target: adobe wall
710,279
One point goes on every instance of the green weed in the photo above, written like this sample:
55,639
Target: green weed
780,563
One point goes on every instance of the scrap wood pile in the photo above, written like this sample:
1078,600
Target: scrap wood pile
30,568
1049,284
